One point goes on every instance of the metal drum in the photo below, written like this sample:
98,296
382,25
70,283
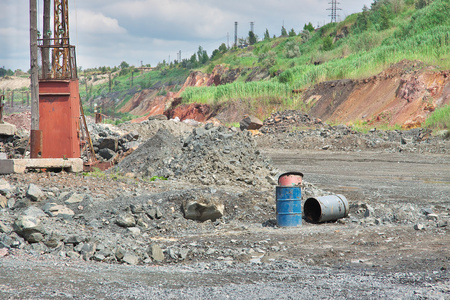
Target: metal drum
289,206
290,179
326,208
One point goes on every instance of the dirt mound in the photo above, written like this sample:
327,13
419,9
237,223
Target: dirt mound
22,120
289,120
209,155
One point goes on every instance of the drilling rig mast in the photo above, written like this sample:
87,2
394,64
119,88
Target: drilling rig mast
59,102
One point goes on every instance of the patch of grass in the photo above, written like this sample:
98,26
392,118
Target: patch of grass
439,119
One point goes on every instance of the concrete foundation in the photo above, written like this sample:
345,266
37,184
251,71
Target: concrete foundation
7,129
8,166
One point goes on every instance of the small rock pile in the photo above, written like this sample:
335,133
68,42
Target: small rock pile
209,155
289,120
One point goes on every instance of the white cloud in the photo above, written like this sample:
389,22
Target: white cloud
107,32
97,23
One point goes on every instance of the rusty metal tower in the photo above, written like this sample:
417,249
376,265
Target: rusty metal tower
59,102
334,8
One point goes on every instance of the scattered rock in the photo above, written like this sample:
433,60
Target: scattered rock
34,193
130,258
5,187
75,198
156,253
126,220
54,210
419,226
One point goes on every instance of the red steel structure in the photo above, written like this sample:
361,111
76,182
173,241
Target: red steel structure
59,103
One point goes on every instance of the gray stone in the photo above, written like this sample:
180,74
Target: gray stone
442,223
369,211
73,254
131,145
432,217
120,253
33,211
135,231
130,258
194,210
4,228
5,187
3,201
111,143
427,211
184,253
74,239
158,214
54,210
29,227
34,193
126,220
106,153
156,253
88,250
75,198
419,226
250,123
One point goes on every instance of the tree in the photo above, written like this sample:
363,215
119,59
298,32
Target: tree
292,49
283,31
202,56
362,21
292,32
385,22
309,27
124,65
266,35
223,48
251,38
306,35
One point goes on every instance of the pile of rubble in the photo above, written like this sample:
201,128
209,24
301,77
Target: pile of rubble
288,121
294,130
209,155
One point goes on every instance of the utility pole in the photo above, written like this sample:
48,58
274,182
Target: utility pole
35,134
235,33
252,25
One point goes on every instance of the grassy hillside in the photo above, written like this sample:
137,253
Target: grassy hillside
362,45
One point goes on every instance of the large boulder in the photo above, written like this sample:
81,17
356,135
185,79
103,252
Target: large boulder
201,211
30,228
250,123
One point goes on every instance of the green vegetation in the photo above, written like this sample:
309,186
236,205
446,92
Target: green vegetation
439,119
361,46
365,127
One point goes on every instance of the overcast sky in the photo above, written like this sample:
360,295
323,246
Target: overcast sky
107,32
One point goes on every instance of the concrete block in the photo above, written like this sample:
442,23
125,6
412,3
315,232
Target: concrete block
8,166
7,129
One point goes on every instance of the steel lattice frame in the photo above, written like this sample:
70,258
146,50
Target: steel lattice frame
60,63
334,10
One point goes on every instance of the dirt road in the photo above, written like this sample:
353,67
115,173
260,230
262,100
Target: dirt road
381,256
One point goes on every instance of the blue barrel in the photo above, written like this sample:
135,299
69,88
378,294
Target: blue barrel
289,206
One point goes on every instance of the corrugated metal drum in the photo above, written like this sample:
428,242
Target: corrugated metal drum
289,206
